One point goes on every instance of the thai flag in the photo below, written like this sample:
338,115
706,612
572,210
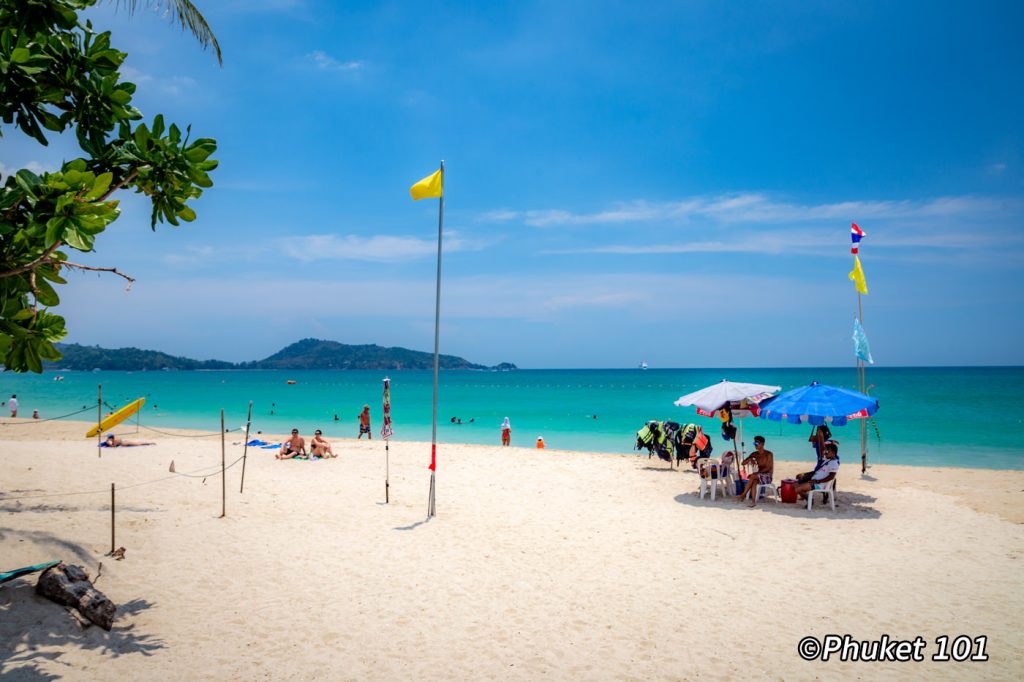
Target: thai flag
855,235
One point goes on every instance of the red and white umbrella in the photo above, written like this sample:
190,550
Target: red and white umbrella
386,432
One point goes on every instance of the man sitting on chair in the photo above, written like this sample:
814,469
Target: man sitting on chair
823,474
765,461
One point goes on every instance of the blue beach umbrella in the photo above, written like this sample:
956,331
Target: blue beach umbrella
817,404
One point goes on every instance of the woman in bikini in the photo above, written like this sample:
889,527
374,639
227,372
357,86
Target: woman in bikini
320,447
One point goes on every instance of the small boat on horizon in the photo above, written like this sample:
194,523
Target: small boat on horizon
643,364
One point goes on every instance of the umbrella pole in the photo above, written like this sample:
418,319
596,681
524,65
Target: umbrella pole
387,472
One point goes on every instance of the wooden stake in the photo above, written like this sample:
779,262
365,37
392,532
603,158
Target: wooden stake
223,477
245,447
113,545
99,420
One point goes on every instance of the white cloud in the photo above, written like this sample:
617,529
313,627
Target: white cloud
379,248
191,255
176,85
753,208
34,166
326,62
171,85
133,75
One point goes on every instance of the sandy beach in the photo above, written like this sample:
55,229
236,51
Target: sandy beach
539,564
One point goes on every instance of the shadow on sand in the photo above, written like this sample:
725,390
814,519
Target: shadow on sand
34,630
849,506
413,526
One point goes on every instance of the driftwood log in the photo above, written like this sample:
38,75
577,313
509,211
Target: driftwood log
70,586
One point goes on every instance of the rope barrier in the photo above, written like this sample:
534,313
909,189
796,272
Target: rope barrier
215,472
49,419
178,435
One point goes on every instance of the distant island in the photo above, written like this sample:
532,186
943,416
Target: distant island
304,354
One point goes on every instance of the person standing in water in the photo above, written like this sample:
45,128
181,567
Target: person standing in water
364,423
506,433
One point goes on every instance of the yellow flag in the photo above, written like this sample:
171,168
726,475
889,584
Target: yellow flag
857,275
429,187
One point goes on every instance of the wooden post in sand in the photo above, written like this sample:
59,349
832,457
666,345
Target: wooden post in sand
245,446
113,545
99,420
223,477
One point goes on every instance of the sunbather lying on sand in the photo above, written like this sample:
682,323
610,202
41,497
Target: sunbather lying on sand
113,441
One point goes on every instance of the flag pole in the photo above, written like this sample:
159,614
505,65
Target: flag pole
862,387
431,510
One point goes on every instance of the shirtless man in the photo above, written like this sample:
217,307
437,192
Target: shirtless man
765,461
293,447
364,423
320,447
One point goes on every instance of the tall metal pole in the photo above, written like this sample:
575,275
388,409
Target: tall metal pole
862,387
223,477
431,510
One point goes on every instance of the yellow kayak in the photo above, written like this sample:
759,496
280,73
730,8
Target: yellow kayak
116,418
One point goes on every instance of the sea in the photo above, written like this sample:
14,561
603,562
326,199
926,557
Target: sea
934,416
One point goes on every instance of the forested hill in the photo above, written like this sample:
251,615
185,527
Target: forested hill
318,354
304,354
132,359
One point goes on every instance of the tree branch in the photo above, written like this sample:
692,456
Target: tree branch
124,181
45,257
32,266
79,266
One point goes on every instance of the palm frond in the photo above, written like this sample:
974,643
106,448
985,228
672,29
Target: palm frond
187,15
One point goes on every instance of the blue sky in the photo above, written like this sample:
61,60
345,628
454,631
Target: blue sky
624,181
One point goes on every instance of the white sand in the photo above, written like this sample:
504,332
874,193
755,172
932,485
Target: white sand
539,564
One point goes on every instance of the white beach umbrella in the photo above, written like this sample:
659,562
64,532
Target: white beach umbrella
718,395
725,392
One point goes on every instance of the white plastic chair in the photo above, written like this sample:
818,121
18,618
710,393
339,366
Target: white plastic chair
763,488
825,489
726,471
705,472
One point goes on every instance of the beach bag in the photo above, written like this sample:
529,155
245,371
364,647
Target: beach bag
728,431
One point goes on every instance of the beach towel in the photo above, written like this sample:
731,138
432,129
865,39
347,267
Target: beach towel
18,572
257,443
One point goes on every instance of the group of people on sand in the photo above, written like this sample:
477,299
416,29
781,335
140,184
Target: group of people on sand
825,470
295,447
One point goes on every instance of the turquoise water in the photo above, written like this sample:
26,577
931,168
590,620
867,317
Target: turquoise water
928,416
